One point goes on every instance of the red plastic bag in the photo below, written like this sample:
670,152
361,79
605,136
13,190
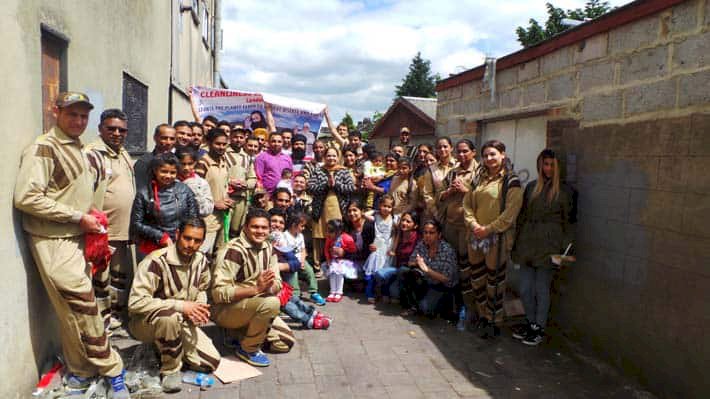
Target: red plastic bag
96,249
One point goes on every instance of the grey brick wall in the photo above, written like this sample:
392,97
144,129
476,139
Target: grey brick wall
633,106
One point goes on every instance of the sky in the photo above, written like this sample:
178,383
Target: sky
350,55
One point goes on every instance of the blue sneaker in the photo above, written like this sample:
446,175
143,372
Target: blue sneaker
317,299
256,359
77,384
118,387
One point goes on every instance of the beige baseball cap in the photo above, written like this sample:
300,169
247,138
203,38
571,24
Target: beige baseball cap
68,98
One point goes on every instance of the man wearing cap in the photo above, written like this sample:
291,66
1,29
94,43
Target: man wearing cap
404,136
115,199
54,191
164,136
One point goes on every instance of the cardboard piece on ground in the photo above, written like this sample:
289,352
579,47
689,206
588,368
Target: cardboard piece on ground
232,369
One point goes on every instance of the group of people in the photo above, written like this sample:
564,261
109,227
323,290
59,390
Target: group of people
228,224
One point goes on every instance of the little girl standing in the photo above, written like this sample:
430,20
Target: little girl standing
379,258
338,245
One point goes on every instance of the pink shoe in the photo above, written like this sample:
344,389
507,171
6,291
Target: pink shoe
330,298
337,298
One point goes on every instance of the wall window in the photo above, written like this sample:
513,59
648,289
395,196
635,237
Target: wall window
135,105
54,74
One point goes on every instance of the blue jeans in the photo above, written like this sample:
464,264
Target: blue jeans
370,286
430,303
535,283
387,277
298,310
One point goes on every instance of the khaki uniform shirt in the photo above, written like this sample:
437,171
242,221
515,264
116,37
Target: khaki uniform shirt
163,282
451,205
405,197
241,167
217,175
432,184
118,189
482,206
54,187
239,264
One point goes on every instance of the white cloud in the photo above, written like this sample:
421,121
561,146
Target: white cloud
351,54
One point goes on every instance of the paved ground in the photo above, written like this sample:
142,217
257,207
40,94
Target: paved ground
372,352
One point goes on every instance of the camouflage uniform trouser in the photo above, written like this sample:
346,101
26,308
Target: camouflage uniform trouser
65,275
177,340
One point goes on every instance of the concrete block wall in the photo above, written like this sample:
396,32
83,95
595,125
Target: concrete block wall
656,66
633,107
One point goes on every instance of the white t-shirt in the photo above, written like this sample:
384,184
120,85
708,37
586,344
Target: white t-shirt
291,243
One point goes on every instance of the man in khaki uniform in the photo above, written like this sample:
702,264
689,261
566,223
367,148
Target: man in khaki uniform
54,190
214,168
116,195
168,302
242,180
246,280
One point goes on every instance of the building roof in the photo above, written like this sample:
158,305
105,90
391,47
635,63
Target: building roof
426,105
615,18
421,107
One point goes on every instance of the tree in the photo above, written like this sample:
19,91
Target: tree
419,82
535,33
348,121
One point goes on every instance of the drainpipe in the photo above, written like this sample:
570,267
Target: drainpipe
217,76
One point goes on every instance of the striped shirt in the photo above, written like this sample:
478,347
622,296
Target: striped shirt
54,186
164,282
239,264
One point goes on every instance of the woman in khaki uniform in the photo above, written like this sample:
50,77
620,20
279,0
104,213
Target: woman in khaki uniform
491,227
433,180
214,168
331,186
455,186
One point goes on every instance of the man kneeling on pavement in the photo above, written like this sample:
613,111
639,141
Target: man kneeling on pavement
168,303
246,282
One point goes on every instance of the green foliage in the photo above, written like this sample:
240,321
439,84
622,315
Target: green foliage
348,121
419,82
535,33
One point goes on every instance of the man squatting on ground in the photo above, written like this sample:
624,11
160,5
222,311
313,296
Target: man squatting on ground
246,280
54,191
168,303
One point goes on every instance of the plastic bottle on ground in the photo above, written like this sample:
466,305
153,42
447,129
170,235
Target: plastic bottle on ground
202,380
461,325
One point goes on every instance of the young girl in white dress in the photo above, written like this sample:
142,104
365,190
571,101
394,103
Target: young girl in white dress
379,258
